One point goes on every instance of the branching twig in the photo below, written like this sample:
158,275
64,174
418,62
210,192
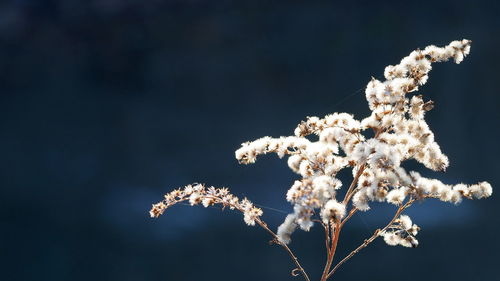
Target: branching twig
289,251
373,237
335,233
351,213
400,133
354,182
327,235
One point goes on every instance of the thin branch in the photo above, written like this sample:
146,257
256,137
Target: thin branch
351,213
327,235
217,200
354,182
335,233
373,237
338,225
328,241
289,251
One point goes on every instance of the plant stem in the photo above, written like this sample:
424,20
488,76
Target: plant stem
339,224
289,251
352,212
335,233
373,237
354,182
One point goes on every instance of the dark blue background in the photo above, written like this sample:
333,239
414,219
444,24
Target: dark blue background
107,104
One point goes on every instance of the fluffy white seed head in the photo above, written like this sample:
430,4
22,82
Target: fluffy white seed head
333,210
374,147
405,222
396,196
360,200
481,190
286,229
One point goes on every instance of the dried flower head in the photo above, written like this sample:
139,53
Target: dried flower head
198,193
401,134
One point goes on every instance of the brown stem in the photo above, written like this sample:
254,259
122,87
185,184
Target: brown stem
335,233
373,237
288,250
261,223
352,212
354,182
328,241
339,224
327,235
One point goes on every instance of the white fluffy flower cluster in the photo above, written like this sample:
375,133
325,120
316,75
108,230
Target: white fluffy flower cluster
401,232
401,133
199,194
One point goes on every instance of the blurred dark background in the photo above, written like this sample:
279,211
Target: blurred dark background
108,104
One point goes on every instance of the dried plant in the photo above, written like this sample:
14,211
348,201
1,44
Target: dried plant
400,134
